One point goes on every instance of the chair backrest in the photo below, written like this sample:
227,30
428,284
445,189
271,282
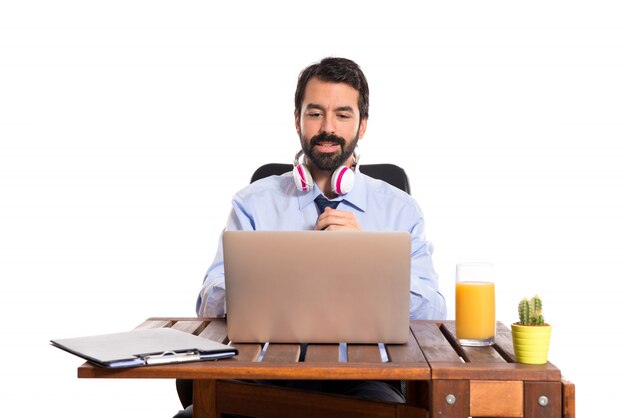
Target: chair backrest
392,174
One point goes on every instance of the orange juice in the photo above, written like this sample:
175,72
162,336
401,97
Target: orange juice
475,311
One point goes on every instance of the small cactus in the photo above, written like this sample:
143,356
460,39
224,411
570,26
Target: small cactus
530,311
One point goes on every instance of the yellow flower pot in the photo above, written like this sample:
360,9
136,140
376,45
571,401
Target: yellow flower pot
531,343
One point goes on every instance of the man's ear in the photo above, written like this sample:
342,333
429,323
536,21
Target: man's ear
362,127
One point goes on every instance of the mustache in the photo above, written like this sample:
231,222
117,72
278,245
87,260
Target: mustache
324,137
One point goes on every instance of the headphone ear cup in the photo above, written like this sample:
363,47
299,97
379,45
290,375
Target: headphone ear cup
342,180
302,178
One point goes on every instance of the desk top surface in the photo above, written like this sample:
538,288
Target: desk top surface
431,353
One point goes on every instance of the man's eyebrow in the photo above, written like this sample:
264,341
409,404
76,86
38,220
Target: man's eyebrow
337,109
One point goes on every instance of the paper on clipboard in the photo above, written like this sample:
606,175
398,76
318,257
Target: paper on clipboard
144,347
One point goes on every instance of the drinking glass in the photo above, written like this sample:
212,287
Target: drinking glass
475,304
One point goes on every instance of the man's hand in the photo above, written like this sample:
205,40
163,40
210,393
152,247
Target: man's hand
337,220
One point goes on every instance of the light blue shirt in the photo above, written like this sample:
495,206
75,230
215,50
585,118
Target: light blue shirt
274,203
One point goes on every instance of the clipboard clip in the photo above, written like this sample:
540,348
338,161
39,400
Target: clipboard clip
168,357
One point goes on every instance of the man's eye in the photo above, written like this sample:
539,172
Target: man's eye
314,114
344,116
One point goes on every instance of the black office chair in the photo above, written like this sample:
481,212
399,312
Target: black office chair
392,174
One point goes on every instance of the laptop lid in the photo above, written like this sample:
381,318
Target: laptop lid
317,286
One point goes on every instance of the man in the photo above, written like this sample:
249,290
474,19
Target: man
331,115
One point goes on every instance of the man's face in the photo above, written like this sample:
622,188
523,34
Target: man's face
328,124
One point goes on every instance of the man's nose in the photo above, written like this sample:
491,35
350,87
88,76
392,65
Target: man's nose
328,125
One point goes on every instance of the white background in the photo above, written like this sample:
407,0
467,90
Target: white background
126,126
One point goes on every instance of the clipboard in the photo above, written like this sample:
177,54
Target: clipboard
144,347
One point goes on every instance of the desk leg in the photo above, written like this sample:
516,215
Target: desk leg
569,399
204,399
542,399
449,398
417,393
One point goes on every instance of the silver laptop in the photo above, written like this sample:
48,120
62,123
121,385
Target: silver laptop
317,286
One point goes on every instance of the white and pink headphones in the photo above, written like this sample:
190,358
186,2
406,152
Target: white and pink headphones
342,180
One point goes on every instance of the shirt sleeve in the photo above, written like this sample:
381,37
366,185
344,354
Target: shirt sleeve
211,302
426,301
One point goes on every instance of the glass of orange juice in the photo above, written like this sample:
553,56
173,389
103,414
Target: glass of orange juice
475,304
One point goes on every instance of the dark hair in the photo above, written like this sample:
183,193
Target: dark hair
335,70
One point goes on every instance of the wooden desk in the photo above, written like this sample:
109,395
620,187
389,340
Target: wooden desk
443,378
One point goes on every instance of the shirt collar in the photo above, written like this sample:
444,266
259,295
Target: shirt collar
356,197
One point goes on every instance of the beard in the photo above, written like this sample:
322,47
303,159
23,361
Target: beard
328,161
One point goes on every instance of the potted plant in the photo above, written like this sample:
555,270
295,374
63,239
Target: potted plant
531,335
